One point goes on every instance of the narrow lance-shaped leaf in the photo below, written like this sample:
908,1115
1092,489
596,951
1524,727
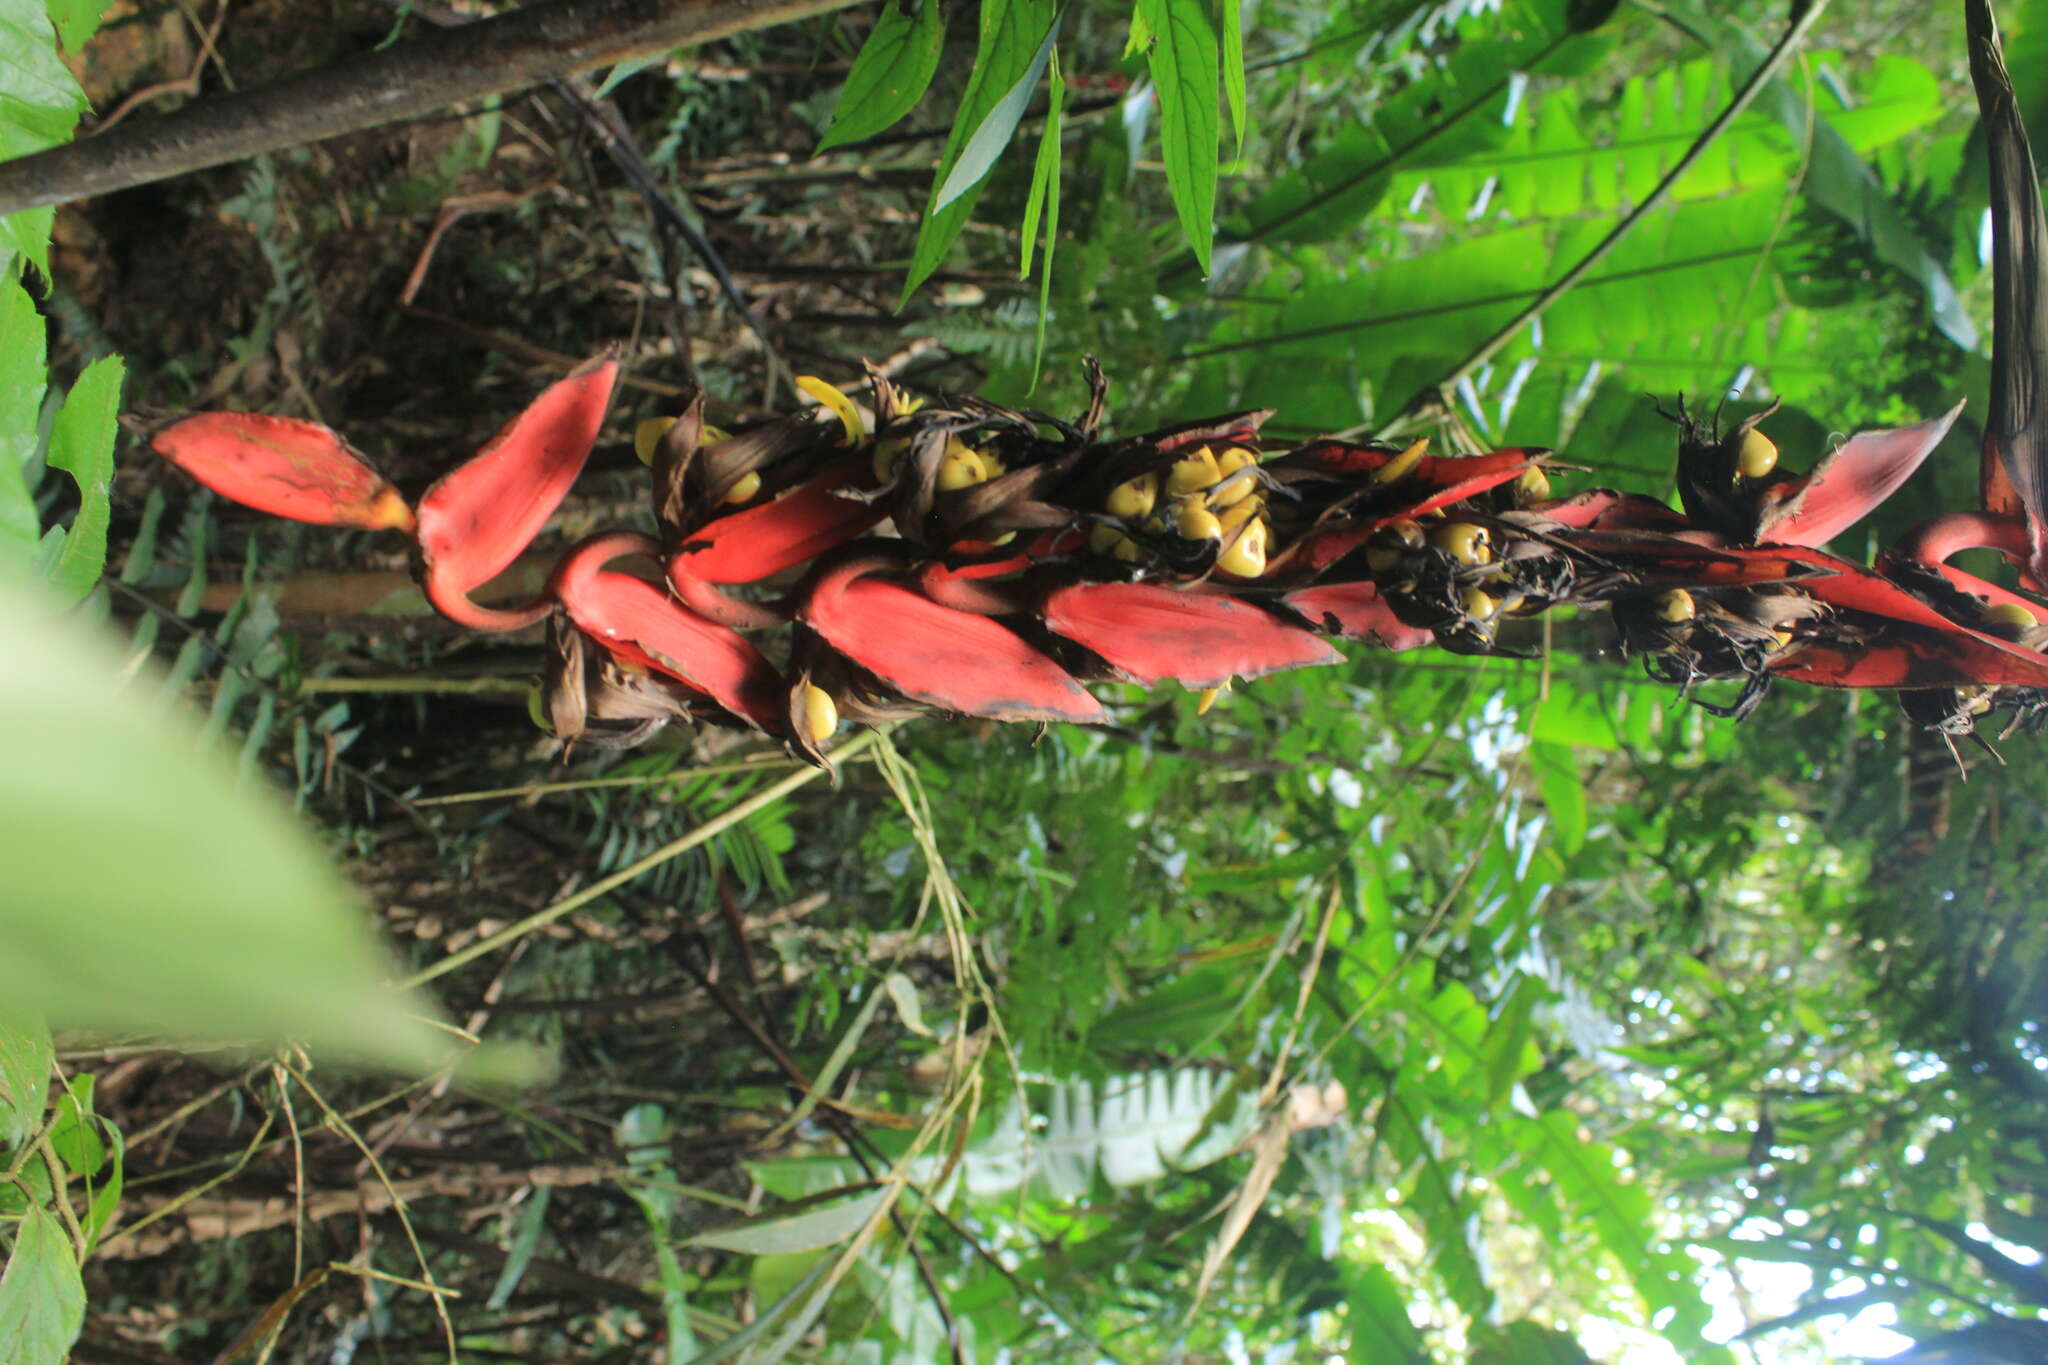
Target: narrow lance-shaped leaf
1012,34
1045,198
1184,64
993,134
891,73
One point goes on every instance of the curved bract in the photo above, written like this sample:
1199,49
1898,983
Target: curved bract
1155,634
301,471
480,516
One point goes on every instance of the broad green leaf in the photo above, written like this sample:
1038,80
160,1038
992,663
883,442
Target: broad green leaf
1836,179
1526,1343
25,1061
1184,63
148,889
23,374
42,1298
74,1135
76,20
993,135
1376,1316
1564,792
1012,34
891,73
822,1221
39,104
82,444
1456,114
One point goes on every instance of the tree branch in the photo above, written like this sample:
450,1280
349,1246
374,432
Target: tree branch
490,57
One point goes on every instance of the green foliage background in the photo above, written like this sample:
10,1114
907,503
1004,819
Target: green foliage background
1650,1030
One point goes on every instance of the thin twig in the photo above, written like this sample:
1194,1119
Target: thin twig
711,829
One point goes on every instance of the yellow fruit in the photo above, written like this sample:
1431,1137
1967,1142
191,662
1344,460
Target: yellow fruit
648,435
1126,550
1478,604
745,488
1402,465
1238,513
961,467
1246,556
2008,620
1133,497
1464,542
1103,538
1234,459
821,714
1674,606
1531,485
1391,543
1193,473
1207,698
1780,639
1758,455
1198,523
889,457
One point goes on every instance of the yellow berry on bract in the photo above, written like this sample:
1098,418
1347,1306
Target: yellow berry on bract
1464,542
1245,557
1402,465
994,462
821,714
1780,639
1674,606
648,435
1478,604
1126,550
1238,513
1532,485
1234,459
1103,538
1207,698
961,467
889,457
1199,523
745,488
1758,455
1193,473
2008,620
1391,543
1133,497
1004,539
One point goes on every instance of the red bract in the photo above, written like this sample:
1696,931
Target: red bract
762,541
1158,634
1357,611
640,624
479,517
298,470
1847,485
1603,509
936,655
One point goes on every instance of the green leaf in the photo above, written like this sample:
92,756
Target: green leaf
76,20
25,1061
993,135
891,73
625,71
1045,198
42,1298
75,1136
39,104
1233,68
82,445
23,374
1184,61
1376,1314
821,1221
148,889
1564,792
1012,33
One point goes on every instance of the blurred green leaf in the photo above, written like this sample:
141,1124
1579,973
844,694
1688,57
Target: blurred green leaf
26,1059
42,1299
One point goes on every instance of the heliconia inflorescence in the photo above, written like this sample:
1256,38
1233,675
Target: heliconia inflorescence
965,557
